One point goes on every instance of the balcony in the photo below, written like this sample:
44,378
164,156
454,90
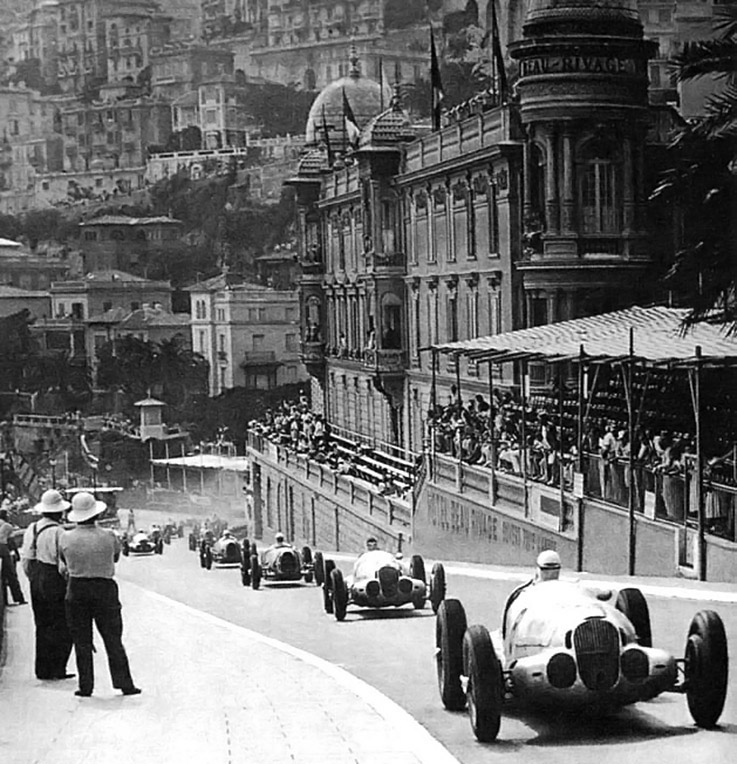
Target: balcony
259,358
385,361
313,357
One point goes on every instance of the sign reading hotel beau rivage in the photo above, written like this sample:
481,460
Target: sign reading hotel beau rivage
580,64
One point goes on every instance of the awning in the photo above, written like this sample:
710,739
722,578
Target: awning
651,335
207,461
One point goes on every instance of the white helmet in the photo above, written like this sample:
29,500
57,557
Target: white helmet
548,560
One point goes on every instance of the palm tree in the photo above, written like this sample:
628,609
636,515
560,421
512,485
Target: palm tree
702,181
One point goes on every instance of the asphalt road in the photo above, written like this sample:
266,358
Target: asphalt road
393,651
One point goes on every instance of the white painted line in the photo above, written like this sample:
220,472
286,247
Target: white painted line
654,590
422,743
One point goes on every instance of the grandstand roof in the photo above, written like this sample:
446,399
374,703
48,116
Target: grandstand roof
654,335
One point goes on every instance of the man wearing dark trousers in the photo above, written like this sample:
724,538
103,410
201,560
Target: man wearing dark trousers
43,567
8,554
90,554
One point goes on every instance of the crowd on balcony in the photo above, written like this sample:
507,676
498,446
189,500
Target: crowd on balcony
296,427
486,434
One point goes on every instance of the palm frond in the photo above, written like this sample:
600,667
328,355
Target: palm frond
725,21
706,57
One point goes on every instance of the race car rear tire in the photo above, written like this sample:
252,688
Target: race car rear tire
633,604
306,555
327,598
254,549
126,550
255,572
706,666
485,690
308,577
449,629
339,592
208,558
159,547
319,568
417,567
245,576
437,586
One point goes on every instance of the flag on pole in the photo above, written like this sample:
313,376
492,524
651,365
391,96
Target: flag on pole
436,84
326,137
496,46
381,85
352,130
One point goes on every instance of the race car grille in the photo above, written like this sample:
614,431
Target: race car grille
389,581
597,649
288,563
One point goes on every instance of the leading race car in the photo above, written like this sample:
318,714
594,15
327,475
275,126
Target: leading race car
142,542
381,579
225,551
280,562
564,645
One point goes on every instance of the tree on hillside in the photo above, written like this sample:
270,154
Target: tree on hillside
702,181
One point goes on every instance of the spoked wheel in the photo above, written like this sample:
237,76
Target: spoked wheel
437,586
633,604
485,690
449,629
707,668
319,567
339,593
255,572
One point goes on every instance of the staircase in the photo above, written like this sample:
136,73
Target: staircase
25,475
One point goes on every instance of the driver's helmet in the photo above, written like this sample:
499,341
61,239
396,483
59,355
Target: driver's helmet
548,565
279,538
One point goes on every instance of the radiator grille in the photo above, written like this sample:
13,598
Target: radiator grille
597,649
288,562
389,580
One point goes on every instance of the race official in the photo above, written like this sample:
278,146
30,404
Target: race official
46,573
90,554
8,554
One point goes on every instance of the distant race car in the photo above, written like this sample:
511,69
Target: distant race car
381,579
225,551
565,645
141,542
278,563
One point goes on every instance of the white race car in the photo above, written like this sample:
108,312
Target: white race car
141,542
562,644
381,579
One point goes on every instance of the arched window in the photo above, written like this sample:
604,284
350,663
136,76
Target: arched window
600,188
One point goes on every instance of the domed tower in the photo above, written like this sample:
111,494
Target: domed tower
365,97
583,103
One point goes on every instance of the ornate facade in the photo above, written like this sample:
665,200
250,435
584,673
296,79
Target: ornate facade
511,215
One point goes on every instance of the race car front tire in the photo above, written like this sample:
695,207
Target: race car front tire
449,629
255,572
485,690
707,667
339,593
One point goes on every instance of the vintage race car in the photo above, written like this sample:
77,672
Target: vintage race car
277,563
226,550
381,579
565,645
142,542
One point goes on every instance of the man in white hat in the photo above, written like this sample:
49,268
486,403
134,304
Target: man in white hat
90,554
44,569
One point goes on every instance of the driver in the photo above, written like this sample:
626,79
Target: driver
548,569
279,541
371,544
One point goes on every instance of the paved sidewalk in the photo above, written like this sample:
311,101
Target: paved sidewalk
212,691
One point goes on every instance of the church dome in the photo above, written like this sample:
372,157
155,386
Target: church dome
363,94
582,16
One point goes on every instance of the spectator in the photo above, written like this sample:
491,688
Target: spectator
90,554
46,573
8,559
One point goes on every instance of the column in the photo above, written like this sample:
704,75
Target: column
628,188
569,175
527,160
551,190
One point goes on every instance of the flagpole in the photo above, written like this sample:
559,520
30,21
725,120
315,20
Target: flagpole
381,85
